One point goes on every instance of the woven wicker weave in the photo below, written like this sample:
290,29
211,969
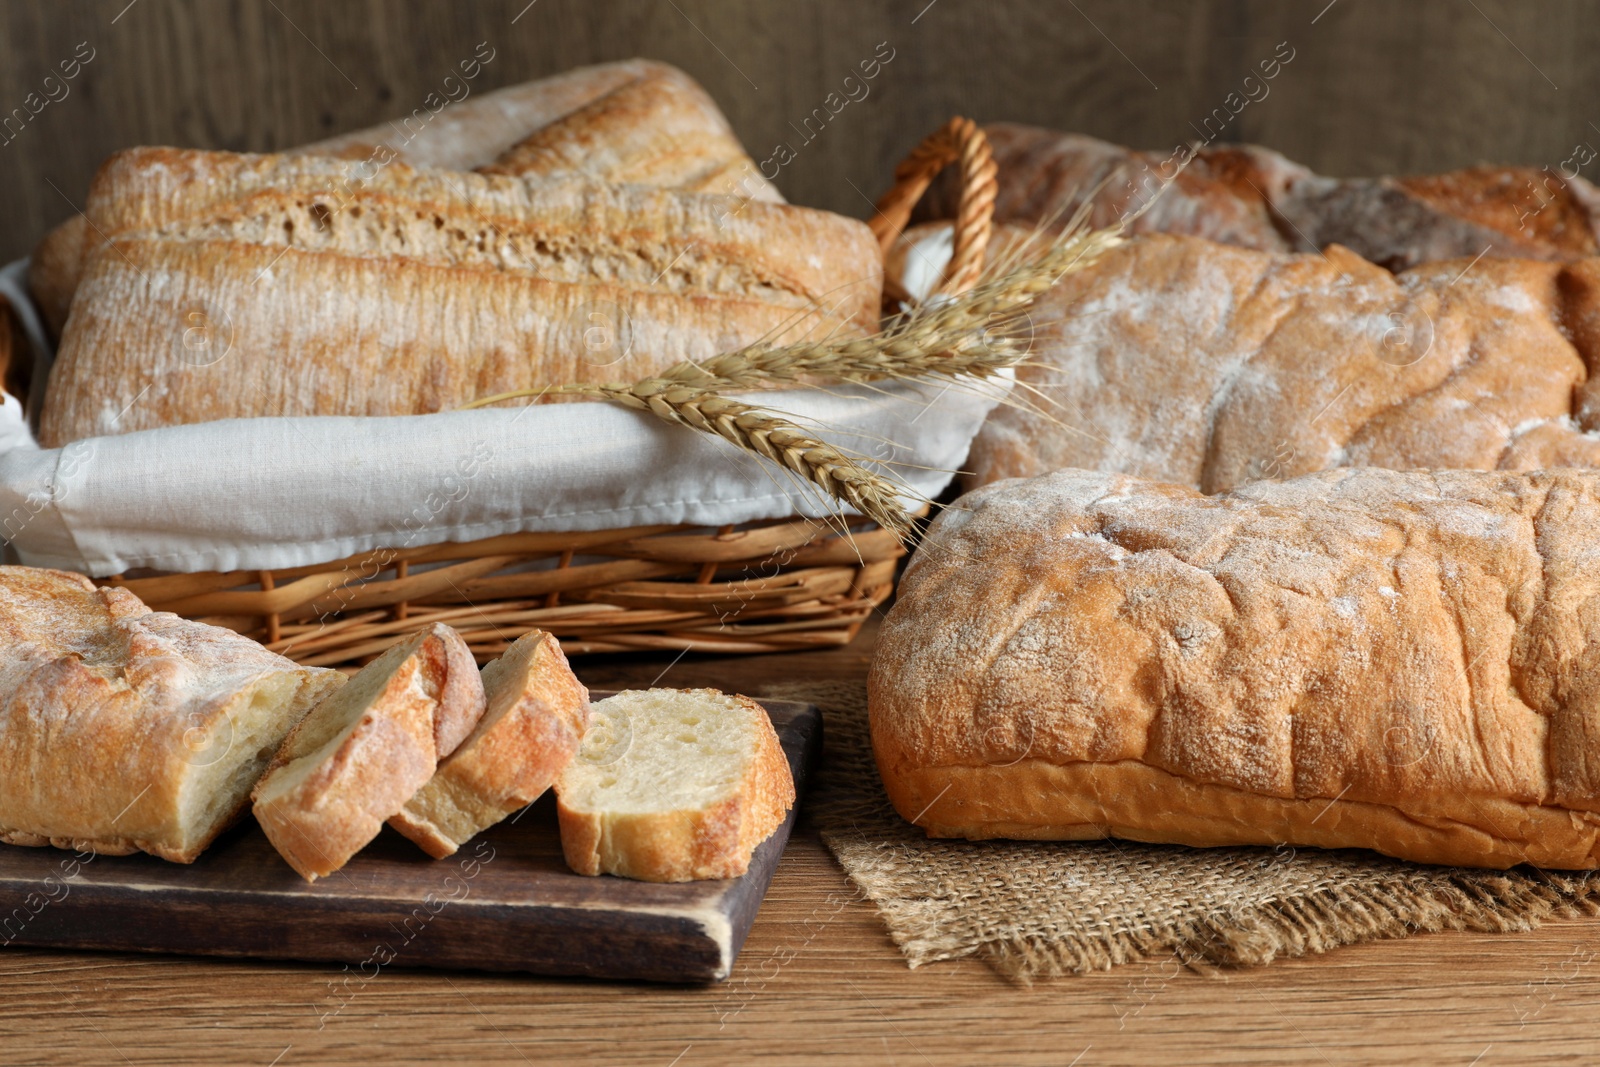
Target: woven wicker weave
763,587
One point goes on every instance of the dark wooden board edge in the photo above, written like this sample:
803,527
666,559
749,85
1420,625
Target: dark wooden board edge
362,932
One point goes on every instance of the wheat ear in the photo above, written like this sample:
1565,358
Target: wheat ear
963,337
779,440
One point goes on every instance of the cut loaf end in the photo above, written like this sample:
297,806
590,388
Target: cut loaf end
536,718
673,785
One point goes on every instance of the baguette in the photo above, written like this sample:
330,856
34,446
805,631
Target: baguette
315,289
672,786
661,129
537,714
477,130
1404,662
361,754
16,355
123,729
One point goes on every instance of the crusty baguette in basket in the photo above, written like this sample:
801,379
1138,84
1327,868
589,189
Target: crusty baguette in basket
662,129
123,729
271,285
765,587
360,755
673,785
537,712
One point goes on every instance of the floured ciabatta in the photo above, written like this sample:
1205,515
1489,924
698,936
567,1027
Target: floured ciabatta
1187,361
1406,662
123,729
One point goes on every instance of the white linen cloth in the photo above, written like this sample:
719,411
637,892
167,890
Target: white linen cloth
246,494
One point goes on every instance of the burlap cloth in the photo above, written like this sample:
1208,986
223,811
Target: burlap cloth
1038,909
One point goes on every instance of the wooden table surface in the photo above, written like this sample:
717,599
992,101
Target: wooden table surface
819,980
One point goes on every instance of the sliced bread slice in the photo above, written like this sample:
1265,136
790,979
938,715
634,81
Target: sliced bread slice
673,785
537,714
362,753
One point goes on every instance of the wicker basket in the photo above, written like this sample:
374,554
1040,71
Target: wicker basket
763,587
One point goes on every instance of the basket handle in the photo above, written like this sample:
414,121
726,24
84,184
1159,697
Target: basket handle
961,140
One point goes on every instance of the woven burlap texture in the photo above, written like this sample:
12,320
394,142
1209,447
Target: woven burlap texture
1033,909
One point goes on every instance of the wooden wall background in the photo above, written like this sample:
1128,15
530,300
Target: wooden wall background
1374,86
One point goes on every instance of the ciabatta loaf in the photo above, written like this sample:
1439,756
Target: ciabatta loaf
123,729
1405,662
660,129
1187,361
673,785
361,754
1252,197
260,285
1401,222
537,712
1222,193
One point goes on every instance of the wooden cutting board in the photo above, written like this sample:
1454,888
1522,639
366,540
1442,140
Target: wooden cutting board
505,902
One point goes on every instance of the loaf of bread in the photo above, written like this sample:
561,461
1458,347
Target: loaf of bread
1046,176
1405,662
1402,222
355,760
537,714
123,729
660,129
673,785
1253,197
463,133
1187,361
270,285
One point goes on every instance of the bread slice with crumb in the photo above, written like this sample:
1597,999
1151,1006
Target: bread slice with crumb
536,718
673,785
362,753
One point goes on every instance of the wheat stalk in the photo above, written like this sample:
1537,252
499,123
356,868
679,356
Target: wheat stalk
967,336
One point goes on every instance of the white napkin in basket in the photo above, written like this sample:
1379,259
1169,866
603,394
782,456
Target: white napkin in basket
244,494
